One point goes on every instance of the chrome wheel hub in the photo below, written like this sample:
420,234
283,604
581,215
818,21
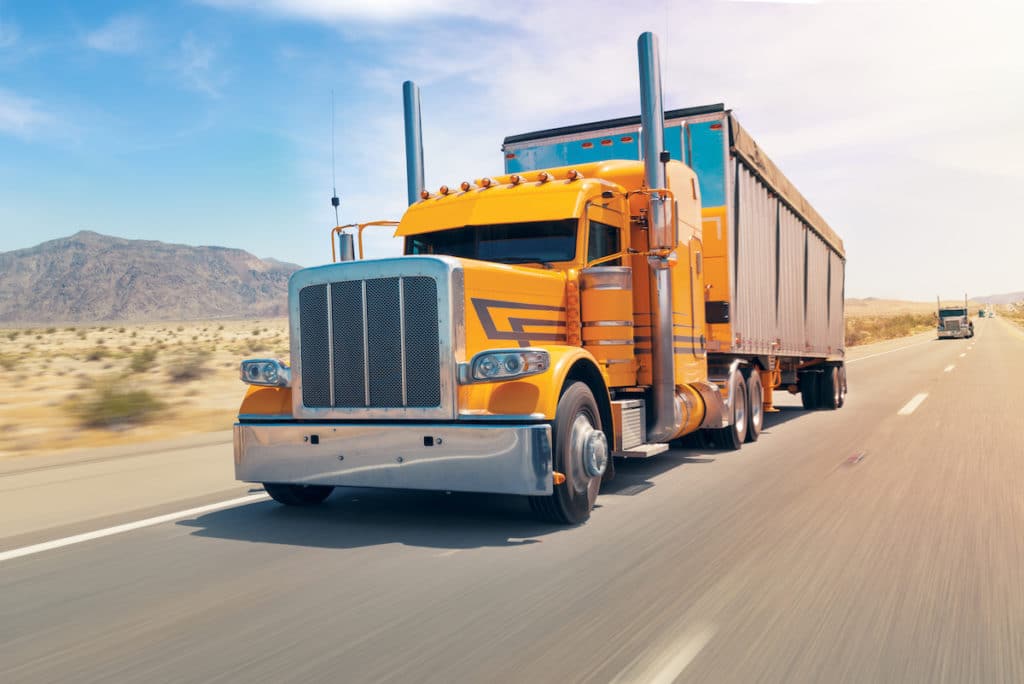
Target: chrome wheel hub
589,447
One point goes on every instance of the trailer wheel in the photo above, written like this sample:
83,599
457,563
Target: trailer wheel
830,389
731,437
755,406
842,385
297,495
580,452
809,386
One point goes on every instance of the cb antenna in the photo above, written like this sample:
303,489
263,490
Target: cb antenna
335,202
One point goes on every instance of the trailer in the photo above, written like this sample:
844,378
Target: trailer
774,269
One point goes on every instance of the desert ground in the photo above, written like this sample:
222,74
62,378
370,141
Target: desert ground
76,386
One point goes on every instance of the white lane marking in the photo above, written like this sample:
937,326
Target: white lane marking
452,552
963,355
912,405
667,666
871,356
948,368
128,527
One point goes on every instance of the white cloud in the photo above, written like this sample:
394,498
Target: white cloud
22,116
198,68
122,35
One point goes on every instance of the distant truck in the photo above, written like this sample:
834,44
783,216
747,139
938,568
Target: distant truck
624,284
955,321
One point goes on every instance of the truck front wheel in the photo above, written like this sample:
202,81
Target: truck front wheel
580,452
297,495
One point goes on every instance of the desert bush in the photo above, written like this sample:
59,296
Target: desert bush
187,367
97,353
143,360
109,403
13,335
865,329
8,362
50,331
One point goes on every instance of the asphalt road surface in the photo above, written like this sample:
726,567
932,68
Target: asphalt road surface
883,542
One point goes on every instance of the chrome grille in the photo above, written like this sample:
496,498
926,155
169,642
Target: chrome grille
370,343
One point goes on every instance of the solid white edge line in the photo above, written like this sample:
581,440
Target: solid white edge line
912,405
871,356
128,527
948,368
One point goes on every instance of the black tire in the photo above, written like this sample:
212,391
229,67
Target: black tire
755,406
571,502
731,437
842,386
808,382
297,495
830,389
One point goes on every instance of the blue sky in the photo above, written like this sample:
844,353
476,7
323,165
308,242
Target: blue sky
208,122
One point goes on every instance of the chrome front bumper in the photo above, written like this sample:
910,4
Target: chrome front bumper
494,459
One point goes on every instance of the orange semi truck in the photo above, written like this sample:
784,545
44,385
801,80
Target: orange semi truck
585,305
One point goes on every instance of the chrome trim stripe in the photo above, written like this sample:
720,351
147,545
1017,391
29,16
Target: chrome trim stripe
608,324
330,344
366,348
401,337
607,343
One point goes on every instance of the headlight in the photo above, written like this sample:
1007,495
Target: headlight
504,364
266,372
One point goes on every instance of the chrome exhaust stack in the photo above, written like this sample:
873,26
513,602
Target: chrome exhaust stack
415,182
667,408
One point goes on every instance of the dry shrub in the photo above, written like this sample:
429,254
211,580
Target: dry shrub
188,367
865,329
143,360
110,403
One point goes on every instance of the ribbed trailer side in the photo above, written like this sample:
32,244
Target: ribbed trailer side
792,263
754,240
787,276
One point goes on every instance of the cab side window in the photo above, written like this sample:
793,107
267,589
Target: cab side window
603,241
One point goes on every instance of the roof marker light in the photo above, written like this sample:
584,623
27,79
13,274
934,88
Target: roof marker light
587,145
607,141
466,185
444,190
574,175
626,139
543,176
486,182
424,194
515,179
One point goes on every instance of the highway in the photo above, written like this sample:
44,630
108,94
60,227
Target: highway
883,542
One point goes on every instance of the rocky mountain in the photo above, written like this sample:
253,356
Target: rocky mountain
1007,298
93,277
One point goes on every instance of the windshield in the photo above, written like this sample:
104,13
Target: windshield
948,313
507,243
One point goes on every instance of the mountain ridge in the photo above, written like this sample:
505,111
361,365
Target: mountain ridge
89,276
